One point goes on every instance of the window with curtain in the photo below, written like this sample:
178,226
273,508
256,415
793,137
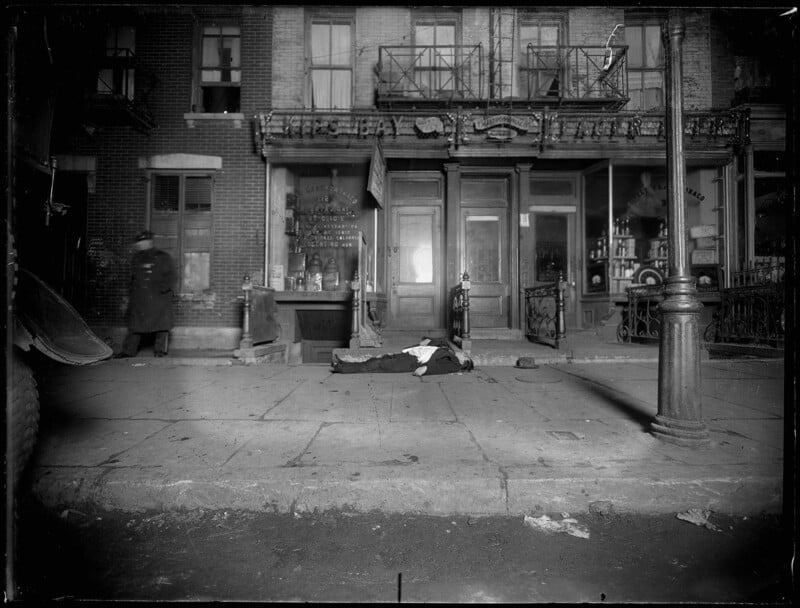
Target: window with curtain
219,70
181,221
539,68
645,66
331,64
117,77
435,69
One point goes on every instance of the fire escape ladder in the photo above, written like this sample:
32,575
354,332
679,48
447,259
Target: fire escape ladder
502,57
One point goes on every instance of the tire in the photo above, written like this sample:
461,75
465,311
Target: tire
24,415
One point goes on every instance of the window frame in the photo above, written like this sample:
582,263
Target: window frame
436,20
311,67
638,72
198,84
525,90
180,248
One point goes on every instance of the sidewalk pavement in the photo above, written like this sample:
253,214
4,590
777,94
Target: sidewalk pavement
204,432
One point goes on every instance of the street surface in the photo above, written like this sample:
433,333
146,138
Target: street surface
334,556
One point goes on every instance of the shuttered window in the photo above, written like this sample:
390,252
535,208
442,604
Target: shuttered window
182,220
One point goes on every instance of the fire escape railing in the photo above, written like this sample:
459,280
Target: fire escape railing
123,85
575,73
430,73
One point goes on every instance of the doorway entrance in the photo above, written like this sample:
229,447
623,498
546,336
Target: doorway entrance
551,253
416,252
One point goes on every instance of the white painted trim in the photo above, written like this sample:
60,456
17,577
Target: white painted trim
553,208
180,161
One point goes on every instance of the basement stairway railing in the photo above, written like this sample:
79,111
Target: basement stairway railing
752,311
459,314
545,322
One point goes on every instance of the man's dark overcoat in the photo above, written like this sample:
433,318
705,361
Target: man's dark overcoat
152,284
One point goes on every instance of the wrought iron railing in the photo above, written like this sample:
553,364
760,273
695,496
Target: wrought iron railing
752,311
576,73
459,313
430,73
641,318
544,313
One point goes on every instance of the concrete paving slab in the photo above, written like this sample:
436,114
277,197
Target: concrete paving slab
416,402
192,445
93,442
427,443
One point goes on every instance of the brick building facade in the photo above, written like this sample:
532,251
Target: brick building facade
284,139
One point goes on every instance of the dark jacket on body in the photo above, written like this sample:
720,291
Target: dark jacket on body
152,284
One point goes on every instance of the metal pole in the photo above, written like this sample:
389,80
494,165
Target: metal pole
679,419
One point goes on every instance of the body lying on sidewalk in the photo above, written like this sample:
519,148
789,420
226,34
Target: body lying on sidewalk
429,358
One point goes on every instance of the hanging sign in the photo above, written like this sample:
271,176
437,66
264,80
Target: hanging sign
377,173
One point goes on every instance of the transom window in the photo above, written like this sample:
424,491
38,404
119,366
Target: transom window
331,64
181,220
219,70
645,66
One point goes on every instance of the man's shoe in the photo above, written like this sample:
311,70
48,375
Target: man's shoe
159,353
122,356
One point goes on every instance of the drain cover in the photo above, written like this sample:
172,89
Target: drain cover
563,435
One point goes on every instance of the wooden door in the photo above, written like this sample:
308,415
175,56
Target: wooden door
485,242
415,254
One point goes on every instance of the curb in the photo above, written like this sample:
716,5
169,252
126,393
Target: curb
446,491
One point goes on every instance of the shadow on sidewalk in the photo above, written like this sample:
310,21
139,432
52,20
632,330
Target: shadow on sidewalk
632,407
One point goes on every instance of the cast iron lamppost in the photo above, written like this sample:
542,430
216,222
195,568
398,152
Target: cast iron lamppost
679,418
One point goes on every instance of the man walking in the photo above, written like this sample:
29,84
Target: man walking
151,290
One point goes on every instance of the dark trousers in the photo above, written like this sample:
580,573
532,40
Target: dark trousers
443,361
131,344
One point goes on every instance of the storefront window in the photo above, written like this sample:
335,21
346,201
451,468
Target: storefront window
638,250
320,215
769,231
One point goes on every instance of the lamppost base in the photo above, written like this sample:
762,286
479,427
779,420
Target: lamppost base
680,432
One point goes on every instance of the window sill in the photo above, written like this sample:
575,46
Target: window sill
235,118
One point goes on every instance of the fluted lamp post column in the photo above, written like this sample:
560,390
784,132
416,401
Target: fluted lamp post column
679,419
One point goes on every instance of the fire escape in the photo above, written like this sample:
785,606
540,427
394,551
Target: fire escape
123,85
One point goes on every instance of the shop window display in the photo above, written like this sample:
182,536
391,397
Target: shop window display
325,216
630,246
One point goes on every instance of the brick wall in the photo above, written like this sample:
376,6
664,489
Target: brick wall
697,61
117,207
288,45
376,26
593,26
723,64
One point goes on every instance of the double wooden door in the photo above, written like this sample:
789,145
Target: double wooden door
477,236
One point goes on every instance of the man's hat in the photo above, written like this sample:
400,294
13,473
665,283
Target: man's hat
144,235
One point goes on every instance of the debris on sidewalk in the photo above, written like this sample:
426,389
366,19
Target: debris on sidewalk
698,517
603,508
567,524
527,363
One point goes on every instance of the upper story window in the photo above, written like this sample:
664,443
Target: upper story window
539,65
645,65
219,69
435,66
331,64
118,76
